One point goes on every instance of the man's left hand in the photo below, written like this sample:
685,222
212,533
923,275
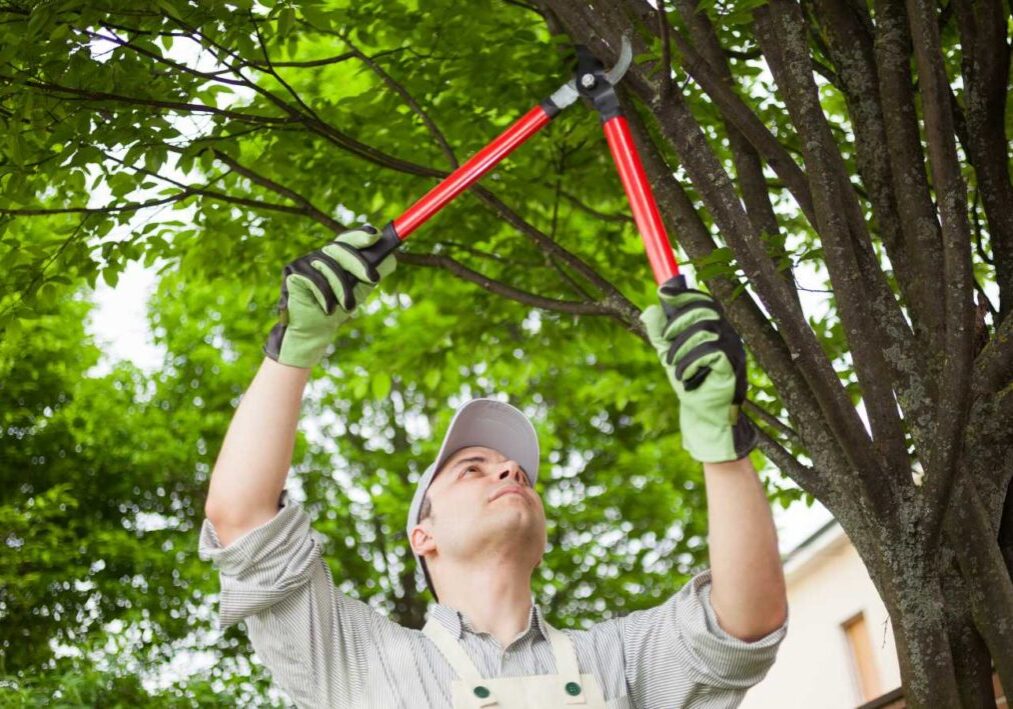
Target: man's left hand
706,364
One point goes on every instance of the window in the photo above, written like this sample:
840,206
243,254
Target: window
857,632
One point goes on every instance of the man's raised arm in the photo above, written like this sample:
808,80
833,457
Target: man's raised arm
319,291
747,579
253,463
706,365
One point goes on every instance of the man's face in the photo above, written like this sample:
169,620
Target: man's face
482,504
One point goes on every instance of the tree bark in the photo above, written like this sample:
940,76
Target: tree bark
986,62
907,168
894,521
971,660
986,578
951,195
914,600
781,32
1006,531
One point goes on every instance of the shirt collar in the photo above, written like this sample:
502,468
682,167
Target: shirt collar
457,623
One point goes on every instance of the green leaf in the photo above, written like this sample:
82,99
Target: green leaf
110,276
168,8
286,18
380,385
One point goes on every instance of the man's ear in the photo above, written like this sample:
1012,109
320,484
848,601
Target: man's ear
421,540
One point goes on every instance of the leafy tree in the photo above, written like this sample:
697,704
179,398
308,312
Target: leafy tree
101,481
853,148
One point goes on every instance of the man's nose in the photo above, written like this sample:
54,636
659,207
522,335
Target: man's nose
511,469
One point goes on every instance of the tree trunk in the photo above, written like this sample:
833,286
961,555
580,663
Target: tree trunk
971,660
937,559
1006,531
989,590
915,602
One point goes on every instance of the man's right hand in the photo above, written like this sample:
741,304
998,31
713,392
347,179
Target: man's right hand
318,293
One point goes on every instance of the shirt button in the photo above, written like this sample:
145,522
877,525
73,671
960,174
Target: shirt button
481,692
572,688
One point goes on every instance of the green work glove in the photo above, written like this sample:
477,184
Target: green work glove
318,292
706,364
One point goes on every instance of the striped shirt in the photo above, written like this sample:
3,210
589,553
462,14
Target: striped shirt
325,649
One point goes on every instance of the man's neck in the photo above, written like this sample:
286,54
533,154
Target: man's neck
495,600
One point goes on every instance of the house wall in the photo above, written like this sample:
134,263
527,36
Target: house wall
827,585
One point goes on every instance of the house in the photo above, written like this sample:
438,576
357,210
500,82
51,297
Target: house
840,651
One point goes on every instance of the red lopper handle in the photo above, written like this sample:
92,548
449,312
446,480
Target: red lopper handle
641,198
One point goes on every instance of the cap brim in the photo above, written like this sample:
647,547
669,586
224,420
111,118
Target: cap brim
492,424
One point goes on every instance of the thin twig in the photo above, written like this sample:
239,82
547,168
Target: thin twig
109,209
666,54
615,218
976,224
270,70
401,91
502,289
259,179
772,421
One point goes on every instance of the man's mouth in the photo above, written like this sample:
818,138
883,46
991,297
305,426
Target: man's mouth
508,490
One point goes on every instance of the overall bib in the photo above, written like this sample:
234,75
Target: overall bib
567,688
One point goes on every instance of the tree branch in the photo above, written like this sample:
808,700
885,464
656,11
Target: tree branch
681,129
849,45
308,207
615,300
748,168
109,209
488,255
773,421
314,123
49,87
756,329
954,385
126,44
614,218
918,221
780,29
502,289
34,284
734,110
408,99
985,65
993,368
269,69
806,477
610,294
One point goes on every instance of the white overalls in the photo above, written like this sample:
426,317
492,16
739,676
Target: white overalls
567,688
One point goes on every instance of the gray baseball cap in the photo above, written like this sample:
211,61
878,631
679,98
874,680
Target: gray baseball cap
479,422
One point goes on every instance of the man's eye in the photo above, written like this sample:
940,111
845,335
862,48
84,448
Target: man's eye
469,469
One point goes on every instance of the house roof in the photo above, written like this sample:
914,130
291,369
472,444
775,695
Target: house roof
813,547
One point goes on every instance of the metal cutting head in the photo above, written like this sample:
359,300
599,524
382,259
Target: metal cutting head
568,92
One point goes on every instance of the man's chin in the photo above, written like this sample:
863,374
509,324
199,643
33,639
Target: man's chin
520,525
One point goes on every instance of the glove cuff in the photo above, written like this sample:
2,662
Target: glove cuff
300,352
272,348
744,436
718,443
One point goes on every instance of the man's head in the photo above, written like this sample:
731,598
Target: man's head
477,500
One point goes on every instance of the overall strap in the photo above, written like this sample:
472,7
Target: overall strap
567,669
451,649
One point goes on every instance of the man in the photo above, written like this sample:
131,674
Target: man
477,528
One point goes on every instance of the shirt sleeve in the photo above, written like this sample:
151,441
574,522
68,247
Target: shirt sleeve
313,639
680,642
